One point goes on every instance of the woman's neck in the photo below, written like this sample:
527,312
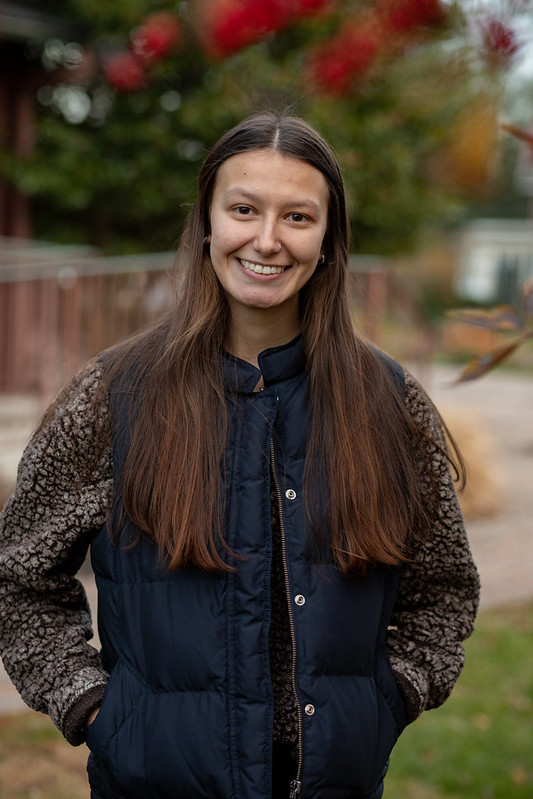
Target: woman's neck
253,330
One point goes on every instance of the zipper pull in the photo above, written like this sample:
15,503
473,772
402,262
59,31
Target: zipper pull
296,789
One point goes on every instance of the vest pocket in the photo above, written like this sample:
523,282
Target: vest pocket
100,781
389,690
154,744
123,692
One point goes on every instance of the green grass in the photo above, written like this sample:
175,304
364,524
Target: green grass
26,731
479,745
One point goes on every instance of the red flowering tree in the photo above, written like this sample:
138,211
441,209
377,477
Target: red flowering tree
125,72
499,41
389,83
157,37
361,41
346,58
401,16
226,26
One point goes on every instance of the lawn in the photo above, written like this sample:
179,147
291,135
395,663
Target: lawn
478,746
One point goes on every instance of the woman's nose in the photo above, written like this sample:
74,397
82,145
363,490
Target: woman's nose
266,238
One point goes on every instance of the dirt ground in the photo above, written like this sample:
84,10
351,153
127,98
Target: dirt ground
36,763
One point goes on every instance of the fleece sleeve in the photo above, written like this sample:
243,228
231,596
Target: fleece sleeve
61,499
438,595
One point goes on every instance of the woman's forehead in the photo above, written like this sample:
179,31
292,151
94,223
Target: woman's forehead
265,171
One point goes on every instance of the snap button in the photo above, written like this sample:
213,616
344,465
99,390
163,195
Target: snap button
290,493
310,709
299,599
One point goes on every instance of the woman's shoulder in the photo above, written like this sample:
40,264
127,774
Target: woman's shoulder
68,451
86,394
76,421
394,369
417,402
82,388
420,406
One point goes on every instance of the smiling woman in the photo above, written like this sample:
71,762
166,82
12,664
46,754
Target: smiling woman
268,221
283,572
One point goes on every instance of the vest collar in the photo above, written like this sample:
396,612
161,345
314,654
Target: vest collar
275,365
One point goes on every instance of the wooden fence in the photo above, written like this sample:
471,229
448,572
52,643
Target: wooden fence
60,305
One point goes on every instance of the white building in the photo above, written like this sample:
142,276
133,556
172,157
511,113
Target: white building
495,259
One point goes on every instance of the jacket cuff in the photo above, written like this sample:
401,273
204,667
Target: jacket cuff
413,685
74,726
70,703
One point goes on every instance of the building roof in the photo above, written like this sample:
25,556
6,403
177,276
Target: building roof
23,22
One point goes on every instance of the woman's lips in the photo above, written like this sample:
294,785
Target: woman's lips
261,269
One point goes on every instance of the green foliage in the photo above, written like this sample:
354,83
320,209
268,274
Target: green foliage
479,744
104,18
123,178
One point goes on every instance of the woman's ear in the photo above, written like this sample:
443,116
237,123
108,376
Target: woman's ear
207,239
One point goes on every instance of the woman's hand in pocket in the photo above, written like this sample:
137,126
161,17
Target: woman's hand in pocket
92,715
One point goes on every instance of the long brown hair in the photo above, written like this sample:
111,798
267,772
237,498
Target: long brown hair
362,441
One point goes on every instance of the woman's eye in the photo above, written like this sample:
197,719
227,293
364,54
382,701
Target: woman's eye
297,217
243,210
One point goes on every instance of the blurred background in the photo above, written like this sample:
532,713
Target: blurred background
106,113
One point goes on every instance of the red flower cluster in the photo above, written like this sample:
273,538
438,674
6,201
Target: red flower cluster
234,24
404,15
306,7
348,56
238,24
158,35
124,71
499,42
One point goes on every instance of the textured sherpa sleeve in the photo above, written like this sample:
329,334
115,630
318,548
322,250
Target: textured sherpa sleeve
438,595
61,499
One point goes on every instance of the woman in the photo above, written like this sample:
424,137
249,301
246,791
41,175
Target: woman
283,573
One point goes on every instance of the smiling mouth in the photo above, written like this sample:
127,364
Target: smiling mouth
260,269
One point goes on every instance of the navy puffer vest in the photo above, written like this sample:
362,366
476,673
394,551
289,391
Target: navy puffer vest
188,709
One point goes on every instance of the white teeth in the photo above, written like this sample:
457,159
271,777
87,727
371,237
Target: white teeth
261,270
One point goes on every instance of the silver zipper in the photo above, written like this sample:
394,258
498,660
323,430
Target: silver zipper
296,789
296,785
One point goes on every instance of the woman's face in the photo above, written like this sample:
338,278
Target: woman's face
268,220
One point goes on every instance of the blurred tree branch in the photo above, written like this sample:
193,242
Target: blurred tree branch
503,319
